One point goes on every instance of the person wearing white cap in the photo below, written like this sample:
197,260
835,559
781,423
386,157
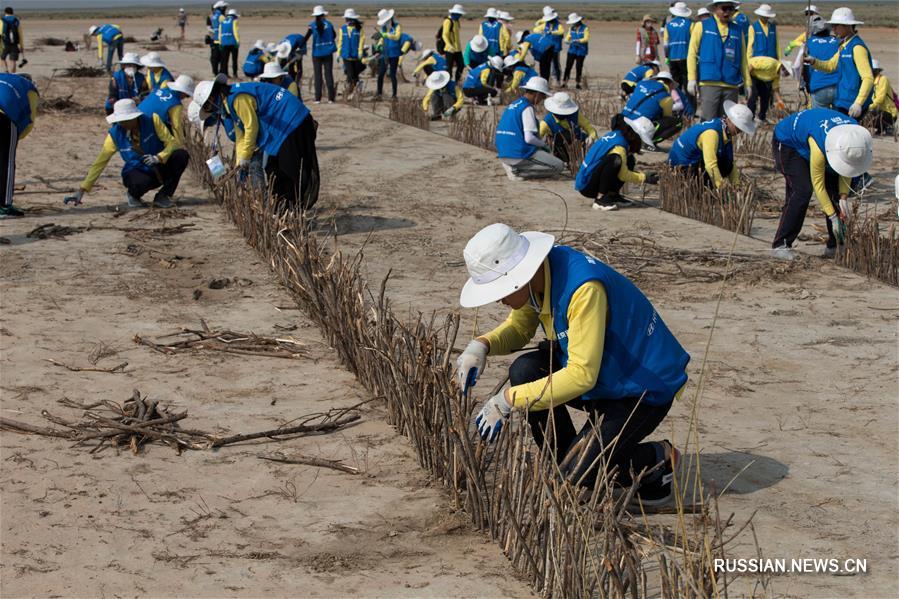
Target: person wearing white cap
493,31
810,13
505,40
821,86
610,162
653,99
451,38
706,149
518,145
276,75
517,73
19,100
702,14
484,82
444,97
564,124
429,62
675,40
717,60
255,60
127,81
150,152
553,31
229,42
181,20
542,48
391,33
110,38
158,76
351,48
852,63
608,353
577,38
475,53
639,73
324,45
212,33
818,150
883,107
166,103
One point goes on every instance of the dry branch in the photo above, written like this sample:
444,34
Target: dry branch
407,110
248,344
732,208
310,461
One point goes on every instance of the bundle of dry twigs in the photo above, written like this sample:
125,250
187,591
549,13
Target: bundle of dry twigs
248,344
475,127
80,69
730,207
407,110
868,251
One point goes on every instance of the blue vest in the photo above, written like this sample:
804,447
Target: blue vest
491,30
510,132
226,32
742,23
160,102
556,40
528,73
850,81
646,100
214,22
279,113
637,73
475,59
678,30
473,79
556,128
14,99
11,30
254,63
795,130
286,82
600,148
404,39
720,61
641,358
149,142
823,48
686,152
124,90
155,82
439,62
765,45
392,48
575,46
350,43
324,41
540,43
108,33
297,43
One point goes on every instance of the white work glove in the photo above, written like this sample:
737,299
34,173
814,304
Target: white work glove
838,226
843,209
693,88
470,365
150,159
449,112
490,419
747,90
855,111
75,198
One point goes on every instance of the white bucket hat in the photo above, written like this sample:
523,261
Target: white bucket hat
384,16
272,70
510,60
319,11
504,16
283,49
437,80
844,16
537,84
501,261
479,43
741,116
644,128
220,4
714,2
574,18
496,63
259,45
664,75
766,11
680,9
131,58
561,103
271,47
92,29
548,10
811,10
152,59
551,16
849,149
183,84
491,13
232,12
427,54
350,14
202,91
123,110
457,10
702,12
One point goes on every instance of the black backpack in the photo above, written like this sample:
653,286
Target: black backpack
11,32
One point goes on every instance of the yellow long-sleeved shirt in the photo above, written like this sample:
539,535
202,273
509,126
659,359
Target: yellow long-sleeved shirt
587,316
341,41
558,30
175,119
582,40
451,29
582,121
522,52
624,173
765,68
245,136
693,55
460,99
505,41
862,60
514,81
33,99
751,41
883,96
153,76
799,40
109,150
708,143
817,166
430,60
100,43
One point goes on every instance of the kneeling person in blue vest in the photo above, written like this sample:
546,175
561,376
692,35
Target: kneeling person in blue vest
564,125
151,155
273,73
608,353
818,150
271,119
647,70
652,99
707,149
166,103
484,83
518,145
127,82
610,162
256,60
444,97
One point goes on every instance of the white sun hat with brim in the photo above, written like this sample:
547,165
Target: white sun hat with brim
811,10
574,18
220,4
741,116
384,16
283,49
844,16
271,47
787,68
561,103
232,12
259,45
203,91
491,13
479,43
550,17
548,10
505,16
123,110
457,10
510,60
519,35
666,75
501,261
92,29
766,11
152,59
131,58
643,127
437,80
350,13
702,12
680,9
849,150
183,84
319,11
496,63
272,70
714,2
537,84
427,54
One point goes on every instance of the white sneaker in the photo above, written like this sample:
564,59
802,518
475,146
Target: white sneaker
511,174
783,253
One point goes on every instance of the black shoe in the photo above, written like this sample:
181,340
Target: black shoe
607,202
659,491
10,212
577,86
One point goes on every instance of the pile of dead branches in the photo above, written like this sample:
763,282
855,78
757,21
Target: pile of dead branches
475,127
80,69
730,207
206,339
53,231
407,110
63,105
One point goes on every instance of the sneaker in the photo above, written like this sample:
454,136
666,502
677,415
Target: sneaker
829,252
162,201
134,202
659,491
607,202
783,253
511,174
10,212
317,102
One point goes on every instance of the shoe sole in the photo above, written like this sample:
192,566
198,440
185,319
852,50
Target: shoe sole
605,208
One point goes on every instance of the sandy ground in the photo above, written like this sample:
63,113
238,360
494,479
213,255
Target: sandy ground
802,368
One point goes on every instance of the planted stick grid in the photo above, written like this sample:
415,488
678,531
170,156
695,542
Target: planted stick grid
689,196
407,110
870,252
475,127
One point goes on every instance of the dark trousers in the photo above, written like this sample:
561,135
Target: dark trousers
546,63
225,53
479,94
725,166
797,175
294,171
352,69
557,65
760,98
214,57
384,65
116,48
628,419
604,179
666,127
9,140
138,182
455,59
323,67
578,63
560,143
679,74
